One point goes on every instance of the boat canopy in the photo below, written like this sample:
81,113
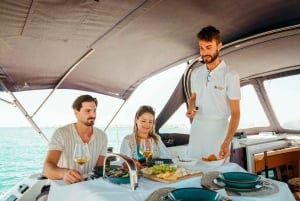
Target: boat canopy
112,46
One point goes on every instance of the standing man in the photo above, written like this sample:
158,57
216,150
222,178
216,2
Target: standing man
216,95
59,163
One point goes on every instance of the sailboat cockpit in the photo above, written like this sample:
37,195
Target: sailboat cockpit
113,47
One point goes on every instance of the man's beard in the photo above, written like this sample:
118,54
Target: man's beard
212,58
89,123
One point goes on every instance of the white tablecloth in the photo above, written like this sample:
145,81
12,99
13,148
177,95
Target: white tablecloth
100,189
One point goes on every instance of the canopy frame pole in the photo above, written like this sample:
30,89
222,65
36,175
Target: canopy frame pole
115,115
17,103
6,101
83,57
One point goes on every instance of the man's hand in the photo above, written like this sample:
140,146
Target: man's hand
192,107
72,176
224,151
191,113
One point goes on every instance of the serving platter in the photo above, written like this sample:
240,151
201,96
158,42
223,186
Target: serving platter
215,163
155,178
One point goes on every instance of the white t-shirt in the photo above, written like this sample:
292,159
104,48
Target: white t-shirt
213,90
65,138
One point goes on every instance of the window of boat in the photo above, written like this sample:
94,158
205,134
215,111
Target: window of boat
252,113
155,92
177,123
284,99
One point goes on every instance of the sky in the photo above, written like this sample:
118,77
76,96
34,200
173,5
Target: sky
58,109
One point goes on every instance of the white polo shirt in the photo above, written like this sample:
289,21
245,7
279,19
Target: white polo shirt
214,89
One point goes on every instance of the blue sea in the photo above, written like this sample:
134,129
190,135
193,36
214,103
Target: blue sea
22,151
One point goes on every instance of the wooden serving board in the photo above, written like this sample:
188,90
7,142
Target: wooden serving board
155,178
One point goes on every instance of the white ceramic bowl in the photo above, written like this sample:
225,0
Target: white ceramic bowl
216,163
185,162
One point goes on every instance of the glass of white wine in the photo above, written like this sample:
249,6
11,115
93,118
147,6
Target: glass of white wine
146,148
81,155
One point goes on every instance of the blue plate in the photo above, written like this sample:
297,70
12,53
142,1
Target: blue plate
257,187
220,183
194,194
121,180
239,179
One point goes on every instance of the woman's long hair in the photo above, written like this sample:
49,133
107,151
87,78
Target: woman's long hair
145,109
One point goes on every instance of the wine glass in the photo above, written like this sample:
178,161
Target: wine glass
146,148
81,155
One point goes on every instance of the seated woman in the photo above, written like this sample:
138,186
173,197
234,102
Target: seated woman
144,129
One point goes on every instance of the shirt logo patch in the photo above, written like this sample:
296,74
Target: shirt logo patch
219,87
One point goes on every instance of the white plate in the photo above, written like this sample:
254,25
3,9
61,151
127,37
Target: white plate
216,163
185,162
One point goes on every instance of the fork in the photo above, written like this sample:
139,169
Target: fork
265,182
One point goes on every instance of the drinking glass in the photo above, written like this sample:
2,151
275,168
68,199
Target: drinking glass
81,155
146,148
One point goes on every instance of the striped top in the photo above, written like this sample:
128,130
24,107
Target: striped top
65,138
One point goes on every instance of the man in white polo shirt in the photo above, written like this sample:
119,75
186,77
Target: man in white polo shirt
216,91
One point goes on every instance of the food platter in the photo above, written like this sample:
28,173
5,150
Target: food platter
115,174
159,161
155,178
169,174
213,161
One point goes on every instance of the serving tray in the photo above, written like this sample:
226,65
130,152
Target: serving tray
155,178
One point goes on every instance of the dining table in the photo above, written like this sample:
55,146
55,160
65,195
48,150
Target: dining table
101,189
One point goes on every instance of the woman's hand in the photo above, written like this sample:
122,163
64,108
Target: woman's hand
137,164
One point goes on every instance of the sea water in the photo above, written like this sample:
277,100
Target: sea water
23,150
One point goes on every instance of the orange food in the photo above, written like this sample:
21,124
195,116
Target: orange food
204,159
211,157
